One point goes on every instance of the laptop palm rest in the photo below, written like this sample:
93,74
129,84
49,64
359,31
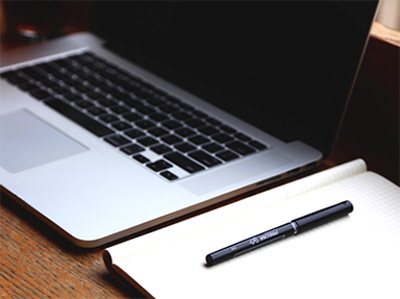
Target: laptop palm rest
225,177
27,141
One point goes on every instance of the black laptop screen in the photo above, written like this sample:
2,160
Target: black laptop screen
286,67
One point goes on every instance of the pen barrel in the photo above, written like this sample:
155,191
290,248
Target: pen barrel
252,243
323,216
281,232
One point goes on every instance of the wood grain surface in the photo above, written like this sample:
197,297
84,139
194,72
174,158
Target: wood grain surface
35,262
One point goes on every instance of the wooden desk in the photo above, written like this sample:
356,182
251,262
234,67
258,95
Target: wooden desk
35,262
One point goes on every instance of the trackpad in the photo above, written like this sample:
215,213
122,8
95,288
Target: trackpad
27,141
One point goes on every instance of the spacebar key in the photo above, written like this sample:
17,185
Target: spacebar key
183,162
78,117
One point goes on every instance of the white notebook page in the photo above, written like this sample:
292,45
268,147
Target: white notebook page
357,255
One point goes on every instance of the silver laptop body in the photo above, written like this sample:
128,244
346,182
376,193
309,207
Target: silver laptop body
90,191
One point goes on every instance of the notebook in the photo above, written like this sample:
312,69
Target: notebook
355,256
167,108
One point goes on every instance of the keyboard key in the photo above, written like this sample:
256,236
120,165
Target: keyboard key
240,148
198,139
134,133
169,175
185,147
46,68
95,95
157,117
121,125
185,106
208,130
145,109
69,83
213,121
168,108
138,93
8,74
40,94
157,131
119,96
199,114
49,84
242,137
183,162
106,89
106,102
132,116
93,81
171,124
181,115
13,78
222,138
161,149
119,109
96,111
72,97
108,118
33,73
184,132
154,101
145,124
147,141
117,140
212,147
141,158
27,86
171,139
80,118
227,155
204,158
132,103
132,149
83,104
58,90
258,145
227,129
194,123
159,165
173,99
82,89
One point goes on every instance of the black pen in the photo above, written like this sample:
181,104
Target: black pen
281,232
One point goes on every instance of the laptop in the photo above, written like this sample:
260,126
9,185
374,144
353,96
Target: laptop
167,108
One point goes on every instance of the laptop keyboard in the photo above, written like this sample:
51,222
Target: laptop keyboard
156,129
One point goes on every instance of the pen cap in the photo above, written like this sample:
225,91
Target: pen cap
323,216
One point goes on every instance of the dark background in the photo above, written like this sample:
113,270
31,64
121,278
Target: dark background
290,63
